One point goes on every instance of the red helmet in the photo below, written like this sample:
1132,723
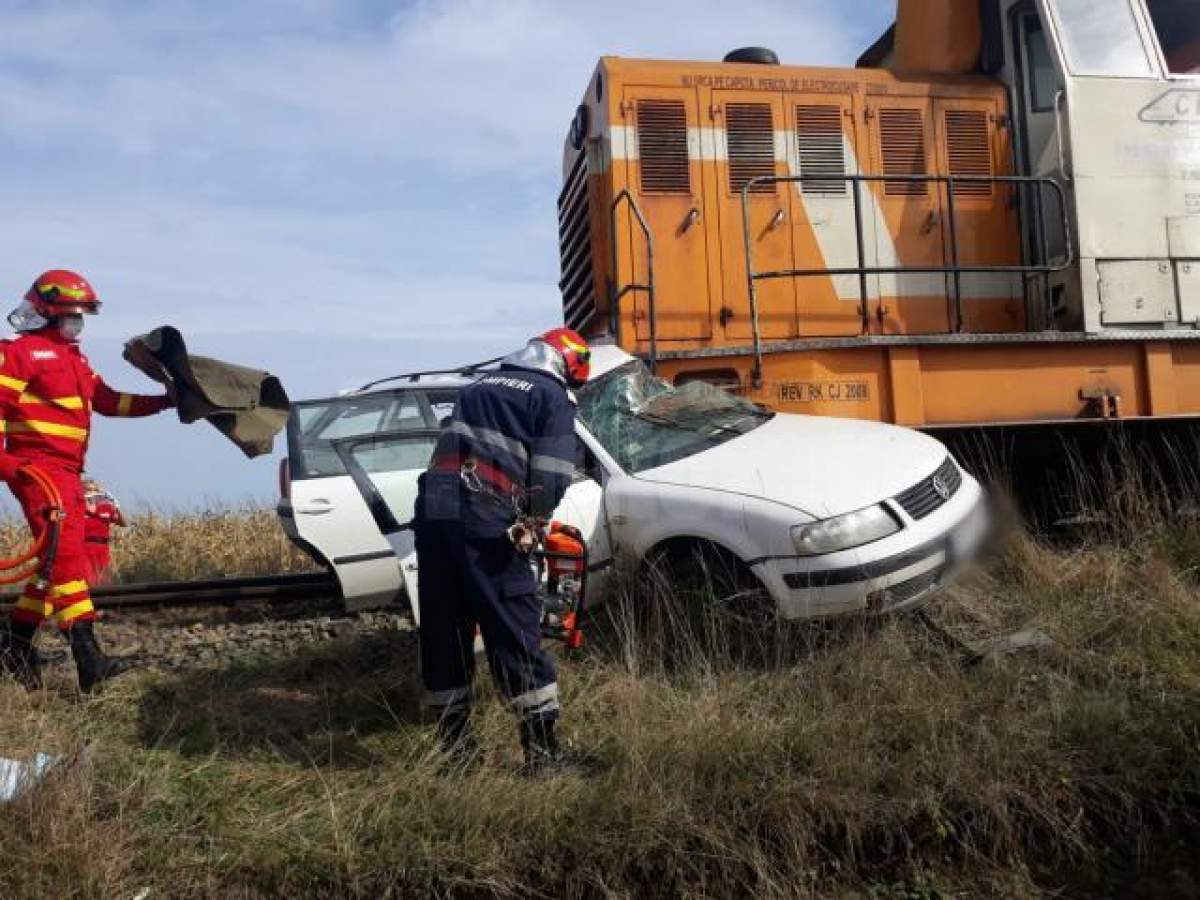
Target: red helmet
575,353
60,292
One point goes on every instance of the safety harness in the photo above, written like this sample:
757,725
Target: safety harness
561,549
486,481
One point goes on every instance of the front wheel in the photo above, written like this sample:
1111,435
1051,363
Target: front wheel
700,597
702,573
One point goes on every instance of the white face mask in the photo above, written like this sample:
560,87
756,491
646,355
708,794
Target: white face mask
71,327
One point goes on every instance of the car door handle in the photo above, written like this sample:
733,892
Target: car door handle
316,508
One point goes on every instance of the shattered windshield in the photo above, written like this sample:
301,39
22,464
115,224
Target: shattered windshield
644,422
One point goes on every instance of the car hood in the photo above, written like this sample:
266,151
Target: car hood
819,465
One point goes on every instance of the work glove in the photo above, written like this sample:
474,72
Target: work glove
525,534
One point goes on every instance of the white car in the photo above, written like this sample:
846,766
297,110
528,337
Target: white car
829,516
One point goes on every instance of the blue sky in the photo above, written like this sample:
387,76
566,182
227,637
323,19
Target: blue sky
328,189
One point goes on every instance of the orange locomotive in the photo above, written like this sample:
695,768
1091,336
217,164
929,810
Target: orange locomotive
47,393
979,225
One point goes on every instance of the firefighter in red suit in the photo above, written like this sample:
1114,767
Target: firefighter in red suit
102,512
47,394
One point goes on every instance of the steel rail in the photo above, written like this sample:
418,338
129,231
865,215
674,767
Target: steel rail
206,591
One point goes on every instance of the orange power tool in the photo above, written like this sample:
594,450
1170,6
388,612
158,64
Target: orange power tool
564,554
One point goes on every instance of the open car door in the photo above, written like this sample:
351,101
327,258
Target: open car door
321,508
385,468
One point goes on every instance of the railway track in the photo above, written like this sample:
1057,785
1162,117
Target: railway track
207,592
178,626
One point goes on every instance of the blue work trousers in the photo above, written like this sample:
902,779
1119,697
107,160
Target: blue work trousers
467,580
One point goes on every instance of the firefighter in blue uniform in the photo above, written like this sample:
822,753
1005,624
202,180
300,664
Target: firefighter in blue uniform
502,462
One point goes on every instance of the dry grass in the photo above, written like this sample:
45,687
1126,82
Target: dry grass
836,760
209,543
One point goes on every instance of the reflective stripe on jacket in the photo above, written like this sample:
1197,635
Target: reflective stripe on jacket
47,394
522,423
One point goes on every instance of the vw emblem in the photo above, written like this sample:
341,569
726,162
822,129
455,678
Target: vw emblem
940,487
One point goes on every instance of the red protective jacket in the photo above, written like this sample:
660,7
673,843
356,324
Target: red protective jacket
47,394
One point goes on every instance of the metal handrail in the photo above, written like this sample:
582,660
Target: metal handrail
648,287
862,270
1059,97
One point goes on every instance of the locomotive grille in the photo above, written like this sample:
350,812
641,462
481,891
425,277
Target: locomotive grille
577,283
750,133
663,147
968,151
902,145
821,149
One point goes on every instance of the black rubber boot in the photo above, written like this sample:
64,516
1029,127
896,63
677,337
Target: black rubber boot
18,657
93,666
544,756
457,739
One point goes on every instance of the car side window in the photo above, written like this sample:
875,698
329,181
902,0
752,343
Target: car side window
395,455
406,415
353,418
386,470
442,403
315,426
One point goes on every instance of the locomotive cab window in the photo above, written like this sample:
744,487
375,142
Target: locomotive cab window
1044,80
1101,38
1177,26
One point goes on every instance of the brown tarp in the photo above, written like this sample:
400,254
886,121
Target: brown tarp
248,406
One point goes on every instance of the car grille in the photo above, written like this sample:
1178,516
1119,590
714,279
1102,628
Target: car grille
899,594
924,497
906,590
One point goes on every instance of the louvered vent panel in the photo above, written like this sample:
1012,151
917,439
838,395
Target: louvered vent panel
750,139
902,139
663,147
577,283
821,148
968,150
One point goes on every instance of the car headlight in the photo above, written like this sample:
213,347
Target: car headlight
843,532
